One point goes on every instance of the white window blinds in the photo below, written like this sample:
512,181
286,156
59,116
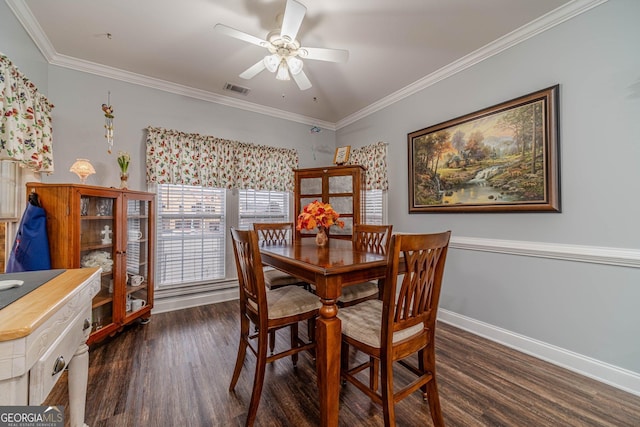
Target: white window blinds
374,207
191,234
262,206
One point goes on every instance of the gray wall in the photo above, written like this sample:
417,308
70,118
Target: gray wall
580,307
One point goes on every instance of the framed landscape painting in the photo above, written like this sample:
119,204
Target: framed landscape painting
500,159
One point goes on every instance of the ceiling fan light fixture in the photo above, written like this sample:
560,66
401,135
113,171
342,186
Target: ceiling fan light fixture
283,71
294,64
271,62
285,57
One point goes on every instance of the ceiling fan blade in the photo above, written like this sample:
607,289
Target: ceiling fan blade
322,54
253,70
237,34
302,80
293,16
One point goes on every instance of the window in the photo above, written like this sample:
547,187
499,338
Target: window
374,207
9,189
262,206
12,197
193,223
192,227
190,235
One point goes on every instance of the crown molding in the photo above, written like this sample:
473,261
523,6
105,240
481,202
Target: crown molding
550,20
545,22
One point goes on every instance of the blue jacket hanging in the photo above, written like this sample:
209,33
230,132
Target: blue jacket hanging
30,250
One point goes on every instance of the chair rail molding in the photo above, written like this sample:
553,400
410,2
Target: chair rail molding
620,257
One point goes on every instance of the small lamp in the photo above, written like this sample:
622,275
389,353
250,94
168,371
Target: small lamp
83,169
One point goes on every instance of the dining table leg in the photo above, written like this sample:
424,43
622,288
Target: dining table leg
328,338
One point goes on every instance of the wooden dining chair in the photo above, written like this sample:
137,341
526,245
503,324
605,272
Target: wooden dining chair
369,238
401,324
276,233
269,311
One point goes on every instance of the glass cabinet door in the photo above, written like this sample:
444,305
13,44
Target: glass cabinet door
138,253
310,191
341,200
97,249
341,186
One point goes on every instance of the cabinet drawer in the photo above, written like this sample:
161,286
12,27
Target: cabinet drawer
42,377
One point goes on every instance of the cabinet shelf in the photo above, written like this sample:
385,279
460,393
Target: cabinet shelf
95,246
135,242
137,264
132,289
103,297
96,217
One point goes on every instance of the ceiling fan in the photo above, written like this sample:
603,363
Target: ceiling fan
285,52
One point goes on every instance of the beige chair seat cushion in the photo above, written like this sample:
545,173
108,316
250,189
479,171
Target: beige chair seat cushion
363,322
275,278
355,292
289,301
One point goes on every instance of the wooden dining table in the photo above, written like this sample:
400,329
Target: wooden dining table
330,269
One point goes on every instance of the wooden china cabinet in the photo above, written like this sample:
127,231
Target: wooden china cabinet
109,228
341,186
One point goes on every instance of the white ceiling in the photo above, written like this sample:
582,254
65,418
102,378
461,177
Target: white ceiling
394,45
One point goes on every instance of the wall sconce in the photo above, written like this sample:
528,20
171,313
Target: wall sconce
83,169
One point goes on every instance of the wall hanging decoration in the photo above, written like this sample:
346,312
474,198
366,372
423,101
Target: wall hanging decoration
108,122
500,159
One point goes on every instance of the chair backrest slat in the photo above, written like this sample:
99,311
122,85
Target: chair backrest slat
372,238
416,299
249,266
274,233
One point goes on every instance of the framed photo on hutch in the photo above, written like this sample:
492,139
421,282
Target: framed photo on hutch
342,155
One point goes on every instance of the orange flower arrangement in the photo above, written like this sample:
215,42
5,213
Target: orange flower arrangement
318,214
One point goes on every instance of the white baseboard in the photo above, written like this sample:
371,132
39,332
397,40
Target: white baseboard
609,374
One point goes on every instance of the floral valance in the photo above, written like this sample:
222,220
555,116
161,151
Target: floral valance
175,157
374,158
25,120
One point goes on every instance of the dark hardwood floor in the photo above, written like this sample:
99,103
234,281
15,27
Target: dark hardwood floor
175,371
